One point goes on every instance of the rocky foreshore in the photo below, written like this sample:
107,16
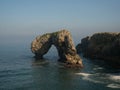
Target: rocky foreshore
104,46
63,42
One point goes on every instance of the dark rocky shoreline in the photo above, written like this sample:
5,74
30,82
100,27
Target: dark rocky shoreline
103,46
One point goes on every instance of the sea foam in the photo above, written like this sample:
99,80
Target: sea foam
115,77
113,85
84,74
89,77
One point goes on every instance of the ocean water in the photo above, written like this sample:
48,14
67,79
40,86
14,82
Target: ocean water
20,71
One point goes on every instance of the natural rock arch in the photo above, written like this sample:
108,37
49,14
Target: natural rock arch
63,42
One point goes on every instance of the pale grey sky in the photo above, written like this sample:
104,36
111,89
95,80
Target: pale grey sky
81,17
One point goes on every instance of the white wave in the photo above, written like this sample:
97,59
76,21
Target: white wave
102,79
89,77
113,85
115,77
84,74
98,68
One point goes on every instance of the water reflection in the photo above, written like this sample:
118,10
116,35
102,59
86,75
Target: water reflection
40,62
52,75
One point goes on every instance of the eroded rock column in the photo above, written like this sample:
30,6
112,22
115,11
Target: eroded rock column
63,42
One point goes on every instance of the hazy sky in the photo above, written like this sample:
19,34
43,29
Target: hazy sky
81,17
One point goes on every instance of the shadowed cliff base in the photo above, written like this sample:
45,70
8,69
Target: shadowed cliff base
63,42
104,46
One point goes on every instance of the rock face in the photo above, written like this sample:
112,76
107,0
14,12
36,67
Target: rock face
63,42
104,46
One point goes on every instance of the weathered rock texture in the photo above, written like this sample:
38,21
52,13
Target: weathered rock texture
104,46
63,42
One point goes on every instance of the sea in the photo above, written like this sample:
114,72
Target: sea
19,70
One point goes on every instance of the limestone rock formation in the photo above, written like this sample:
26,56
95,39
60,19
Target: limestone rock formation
104,46
63,42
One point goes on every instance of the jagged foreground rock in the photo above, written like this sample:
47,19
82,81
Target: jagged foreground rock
104,46
63,42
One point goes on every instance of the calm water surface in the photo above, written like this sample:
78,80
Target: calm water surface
20,71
